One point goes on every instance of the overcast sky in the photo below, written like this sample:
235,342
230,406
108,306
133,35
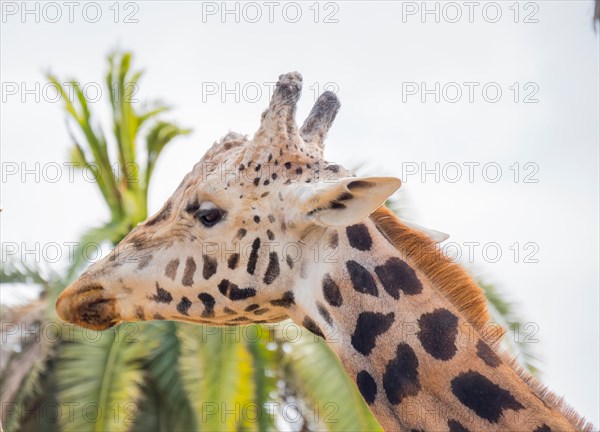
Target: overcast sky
489,115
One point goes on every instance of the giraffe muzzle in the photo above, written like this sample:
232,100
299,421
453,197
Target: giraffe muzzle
87,306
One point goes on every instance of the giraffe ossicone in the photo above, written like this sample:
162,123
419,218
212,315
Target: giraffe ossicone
264,229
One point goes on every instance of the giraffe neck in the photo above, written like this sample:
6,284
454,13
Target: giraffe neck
414,343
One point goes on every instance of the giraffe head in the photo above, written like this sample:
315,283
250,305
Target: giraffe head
235,242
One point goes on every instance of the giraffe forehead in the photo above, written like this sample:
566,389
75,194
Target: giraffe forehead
227,180
272,154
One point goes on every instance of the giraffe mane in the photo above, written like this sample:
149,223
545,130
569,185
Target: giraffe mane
449,277
548,396
467,296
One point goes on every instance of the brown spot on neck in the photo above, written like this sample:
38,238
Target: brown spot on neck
448,277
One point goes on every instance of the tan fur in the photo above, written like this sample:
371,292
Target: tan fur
449,277
465,294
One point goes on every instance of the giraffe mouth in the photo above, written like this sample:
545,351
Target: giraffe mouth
87,307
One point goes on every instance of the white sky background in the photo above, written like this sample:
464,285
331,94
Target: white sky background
368,54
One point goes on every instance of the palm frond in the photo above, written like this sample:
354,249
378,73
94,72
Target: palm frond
165,405
331,396
95,143
13,272
25,354
158,137
217,375
101,374
265,364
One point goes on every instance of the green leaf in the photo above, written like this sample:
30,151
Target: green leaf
20,272
152,113
165,406
125,119
100,374
161,134
265,366
96,143
217,376
77,156
332,399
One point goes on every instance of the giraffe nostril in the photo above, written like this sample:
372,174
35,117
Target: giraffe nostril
97,314
87,306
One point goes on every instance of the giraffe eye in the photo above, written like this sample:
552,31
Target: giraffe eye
209,217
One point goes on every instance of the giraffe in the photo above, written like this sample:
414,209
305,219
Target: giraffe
235,244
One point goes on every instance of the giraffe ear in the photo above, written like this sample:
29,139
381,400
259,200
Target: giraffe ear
347,200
